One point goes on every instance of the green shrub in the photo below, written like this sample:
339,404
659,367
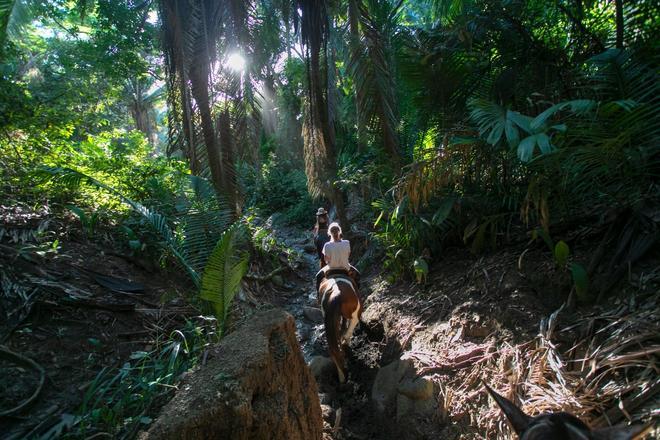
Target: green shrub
279,187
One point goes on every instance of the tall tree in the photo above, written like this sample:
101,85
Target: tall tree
318,130
192,30
372,26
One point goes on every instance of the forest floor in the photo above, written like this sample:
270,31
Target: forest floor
73,311
492,319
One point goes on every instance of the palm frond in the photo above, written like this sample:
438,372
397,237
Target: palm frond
223,273
15,15
157,221
372,28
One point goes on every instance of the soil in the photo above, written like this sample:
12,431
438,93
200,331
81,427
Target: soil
75,326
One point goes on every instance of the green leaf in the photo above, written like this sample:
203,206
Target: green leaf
526,148
578,106
223,273
561,253
581,281
512,134
400,209
443,211
80,213
544,143
521,121
379,218
495,134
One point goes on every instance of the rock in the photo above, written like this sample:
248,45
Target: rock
386,384
416,398
322,368
411,410
313,314
328,413
255,385
420,388
406,405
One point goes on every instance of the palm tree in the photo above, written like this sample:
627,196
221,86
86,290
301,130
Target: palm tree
192,31
318,128
141,104
372,25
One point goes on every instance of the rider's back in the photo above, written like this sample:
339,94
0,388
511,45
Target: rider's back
337,253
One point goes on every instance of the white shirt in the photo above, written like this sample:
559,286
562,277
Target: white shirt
336,254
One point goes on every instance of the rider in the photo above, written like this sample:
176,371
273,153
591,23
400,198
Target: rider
336,253
321,235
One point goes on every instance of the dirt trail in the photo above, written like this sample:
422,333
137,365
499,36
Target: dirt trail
357,419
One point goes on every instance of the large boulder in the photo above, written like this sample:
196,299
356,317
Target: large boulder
255,385
405,404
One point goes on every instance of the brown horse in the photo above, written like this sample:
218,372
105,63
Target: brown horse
341,309
560,425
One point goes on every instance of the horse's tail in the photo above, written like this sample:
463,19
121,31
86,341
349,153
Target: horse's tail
332,319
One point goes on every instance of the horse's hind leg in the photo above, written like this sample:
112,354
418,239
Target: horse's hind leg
346,337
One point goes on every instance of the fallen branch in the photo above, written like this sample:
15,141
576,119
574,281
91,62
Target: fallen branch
264,278
17,358
113,307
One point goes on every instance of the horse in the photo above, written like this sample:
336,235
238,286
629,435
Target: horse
560,425
341,307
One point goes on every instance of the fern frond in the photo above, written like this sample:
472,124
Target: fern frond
223,272
157,221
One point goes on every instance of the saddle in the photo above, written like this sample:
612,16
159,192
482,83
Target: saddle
342,275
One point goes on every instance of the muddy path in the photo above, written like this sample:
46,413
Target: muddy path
347,409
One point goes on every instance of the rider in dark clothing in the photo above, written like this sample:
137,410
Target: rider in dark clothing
321,236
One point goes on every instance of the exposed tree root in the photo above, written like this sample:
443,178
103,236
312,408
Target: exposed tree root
7,354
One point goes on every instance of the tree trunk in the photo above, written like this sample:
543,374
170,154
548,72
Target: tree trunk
227,151
199,76
619,23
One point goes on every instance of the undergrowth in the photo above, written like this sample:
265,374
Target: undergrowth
121,401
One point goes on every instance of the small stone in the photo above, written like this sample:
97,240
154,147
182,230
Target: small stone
313,314
322,367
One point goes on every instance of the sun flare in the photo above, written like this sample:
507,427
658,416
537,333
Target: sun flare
235,62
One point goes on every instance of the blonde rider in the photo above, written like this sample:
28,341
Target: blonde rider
336,253
337,250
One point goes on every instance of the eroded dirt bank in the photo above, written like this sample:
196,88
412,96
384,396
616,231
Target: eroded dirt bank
255,386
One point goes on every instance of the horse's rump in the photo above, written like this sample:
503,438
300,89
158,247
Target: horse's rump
338,299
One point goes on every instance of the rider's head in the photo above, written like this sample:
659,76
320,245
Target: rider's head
322,216
335,231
